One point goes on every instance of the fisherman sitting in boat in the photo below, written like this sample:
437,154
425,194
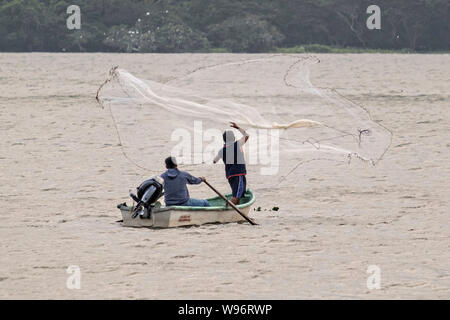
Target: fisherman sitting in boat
232,156
175,190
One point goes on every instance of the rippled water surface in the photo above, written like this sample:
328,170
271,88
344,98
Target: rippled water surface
62,174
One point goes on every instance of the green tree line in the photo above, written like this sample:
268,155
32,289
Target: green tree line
221,25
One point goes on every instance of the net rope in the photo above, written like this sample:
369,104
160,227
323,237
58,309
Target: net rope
333,128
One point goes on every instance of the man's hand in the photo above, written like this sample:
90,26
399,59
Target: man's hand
234,125
203,179
242,131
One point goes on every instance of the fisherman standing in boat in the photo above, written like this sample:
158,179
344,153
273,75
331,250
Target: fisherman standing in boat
232,156
175,190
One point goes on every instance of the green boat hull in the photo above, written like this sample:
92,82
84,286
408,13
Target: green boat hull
178,216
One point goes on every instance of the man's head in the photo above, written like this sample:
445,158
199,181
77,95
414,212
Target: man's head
171,163
228,136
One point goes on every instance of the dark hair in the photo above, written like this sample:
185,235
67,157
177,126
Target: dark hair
171,163
228,136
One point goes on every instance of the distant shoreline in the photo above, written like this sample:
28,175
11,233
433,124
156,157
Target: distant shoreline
315,48
309,48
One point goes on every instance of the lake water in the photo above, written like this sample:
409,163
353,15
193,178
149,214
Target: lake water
62,174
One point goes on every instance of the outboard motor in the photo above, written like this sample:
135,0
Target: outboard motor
147,194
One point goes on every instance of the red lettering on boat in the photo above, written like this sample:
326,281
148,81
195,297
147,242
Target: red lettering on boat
184,219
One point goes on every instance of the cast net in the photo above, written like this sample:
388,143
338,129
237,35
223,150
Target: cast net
290,121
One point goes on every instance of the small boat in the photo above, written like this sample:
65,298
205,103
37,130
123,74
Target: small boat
180,216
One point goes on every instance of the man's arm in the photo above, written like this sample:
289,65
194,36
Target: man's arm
218,156
194,180
245,135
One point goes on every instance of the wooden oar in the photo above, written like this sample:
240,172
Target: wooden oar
231,204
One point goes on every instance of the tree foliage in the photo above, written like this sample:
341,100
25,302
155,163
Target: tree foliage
245,34
237,25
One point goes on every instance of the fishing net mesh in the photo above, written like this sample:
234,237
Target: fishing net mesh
290,120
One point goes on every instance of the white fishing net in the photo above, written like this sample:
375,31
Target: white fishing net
290,121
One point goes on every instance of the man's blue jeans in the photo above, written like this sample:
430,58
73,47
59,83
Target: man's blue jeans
196,203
